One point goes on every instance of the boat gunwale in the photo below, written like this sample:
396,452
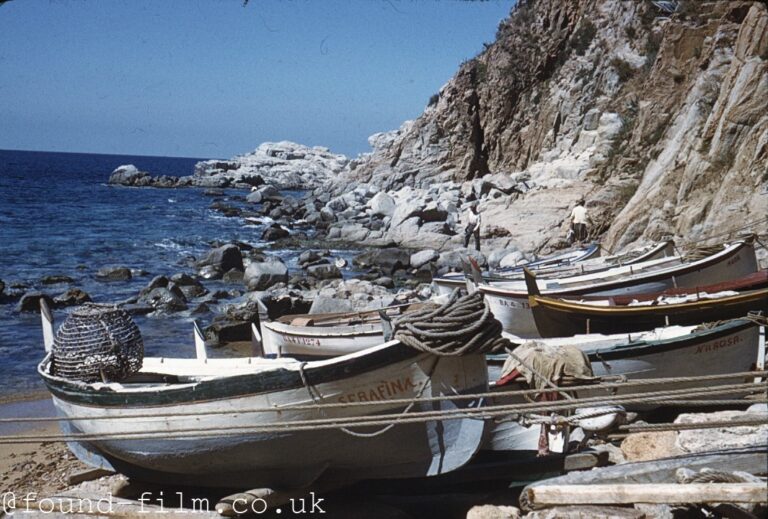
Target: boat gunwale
571,307
322,331
239,385
665,273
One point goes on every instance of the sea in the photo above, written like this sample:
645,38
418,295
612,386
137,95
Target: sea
58,216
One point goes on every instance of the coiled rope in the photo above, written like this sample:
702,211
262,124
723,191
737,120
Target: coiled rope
462,326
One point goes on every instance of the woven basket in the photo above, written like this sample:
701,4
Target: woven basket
97,343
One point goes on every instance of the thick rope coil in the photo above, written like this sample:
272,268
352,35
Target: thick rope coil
462,326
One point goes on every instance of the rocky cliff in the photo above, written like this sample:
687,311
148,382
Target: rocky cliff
655,112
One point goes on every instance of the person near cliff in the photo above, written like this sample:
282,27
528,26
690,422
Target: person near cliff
473,227
579,220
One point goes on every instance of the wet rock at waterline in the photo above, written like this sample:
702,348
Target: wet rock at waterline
223,258
72,297
56,279
30,302
114,274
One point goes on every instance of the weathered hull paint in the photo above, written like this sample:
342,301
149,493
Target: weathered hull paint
729,348
510,306
286,458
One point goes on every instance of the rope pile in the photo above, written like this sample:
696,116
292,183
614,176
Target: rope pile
701,252
462,326
97,343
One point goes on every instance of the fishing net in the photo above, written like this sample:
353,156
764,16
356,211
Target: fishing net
97,343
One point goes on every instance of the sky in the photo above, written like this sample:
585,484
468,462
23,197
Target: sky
215,78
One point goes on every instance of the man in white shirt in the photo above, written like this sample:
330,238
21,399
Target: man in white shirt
579,221
473,227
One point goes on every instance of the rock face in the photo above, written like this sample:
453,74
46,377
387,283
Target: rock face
660,121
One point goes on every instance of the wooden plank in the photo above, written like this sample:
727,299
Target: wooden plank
654,493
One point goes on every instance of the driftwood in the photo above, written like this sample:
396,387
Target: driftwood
753,460
658,493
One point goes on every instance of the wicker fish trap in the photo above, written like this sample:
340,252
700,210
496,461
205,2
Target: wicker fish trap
97,343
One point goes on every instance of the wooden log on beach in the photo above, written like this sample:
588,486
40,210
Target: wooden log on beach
655,493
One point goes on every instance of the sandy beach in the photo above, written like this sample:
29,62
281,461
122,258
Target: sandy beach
33,467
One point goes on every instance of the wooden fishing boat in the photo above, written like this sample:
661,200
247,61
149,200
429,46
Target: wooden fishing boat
327,335
236,422
330,335
564,318
509,301
673,351
568,264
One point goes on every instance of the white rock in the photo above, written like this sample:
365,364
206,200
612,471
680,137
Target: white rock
423,257
382,204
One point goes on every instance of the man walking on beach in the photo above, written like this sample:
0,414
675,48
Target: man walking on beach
473,227
579,221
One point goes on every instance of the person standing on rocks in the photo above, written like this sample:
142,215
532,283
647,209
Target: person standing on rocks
579,221
473,227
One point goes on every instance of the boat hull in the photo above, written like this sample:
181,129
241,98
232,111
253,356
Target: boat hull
728,348
558,318
511,307
221,451
282,339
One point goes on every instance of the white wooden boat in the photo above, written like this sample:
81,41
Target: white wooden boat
509,300
673,351
231,422
567,264
326,335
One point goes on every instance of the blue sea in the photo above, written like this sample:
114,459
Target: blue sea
58,216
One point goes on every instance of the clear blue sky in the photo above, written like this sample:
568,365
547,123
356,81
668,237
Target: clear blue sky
211,78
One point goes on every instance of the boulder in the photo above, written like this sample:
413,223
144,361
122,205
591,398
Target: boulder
388,260
210,272
384,281
274,232
114,274
72,297
183,279
329,305
224,258
262,193
324,271
165,299
157,282
423,257
233,276
382,204
262,275
512,259
452,259
129,175
30,302
223,332
308,257
55,279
